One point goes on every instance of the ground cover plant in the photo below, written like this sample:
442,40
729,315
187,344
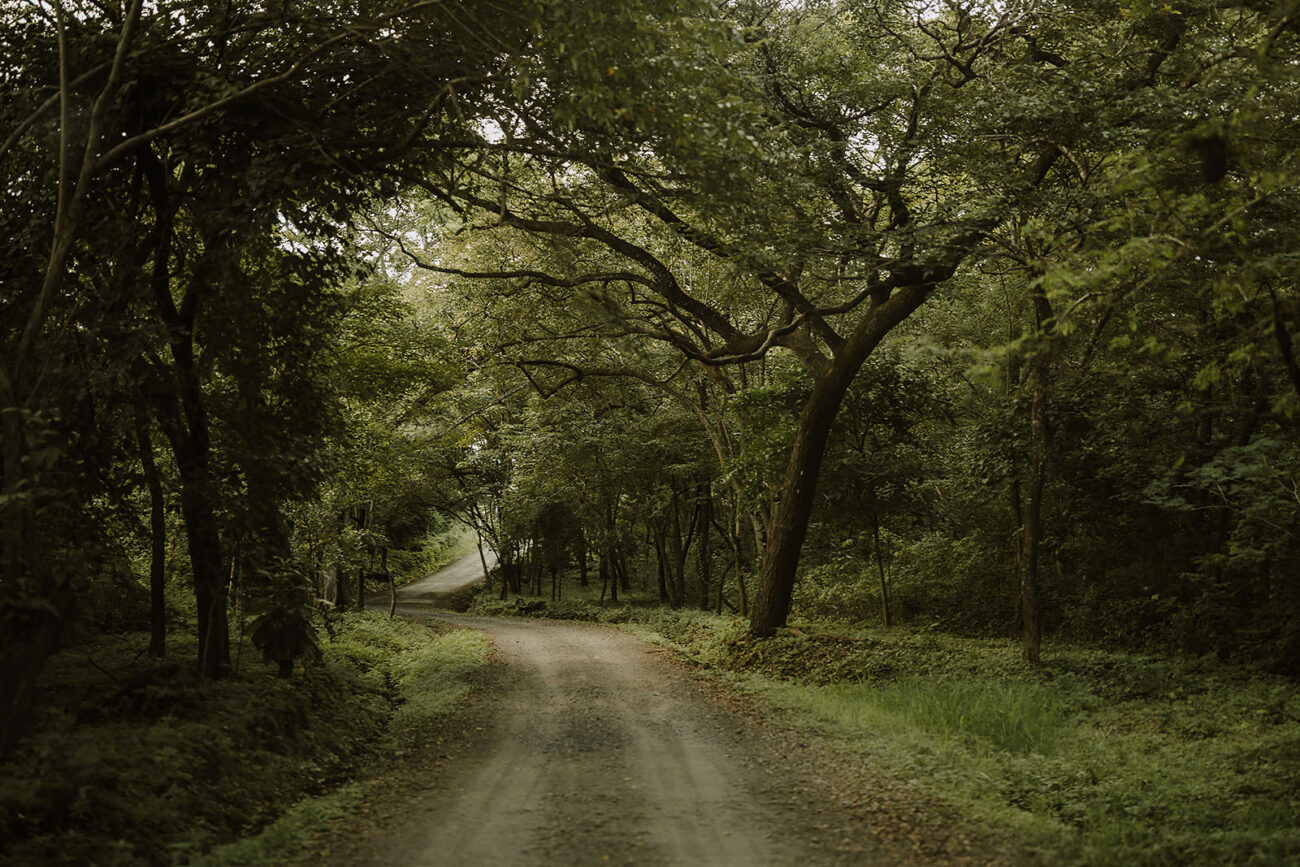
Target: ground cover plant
136,761
1094,757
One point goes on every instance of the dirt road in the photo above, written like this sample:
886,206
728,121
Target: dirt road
589,747
421,597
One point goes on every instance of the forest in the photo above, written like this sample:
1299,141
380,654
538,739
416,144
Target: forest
951,320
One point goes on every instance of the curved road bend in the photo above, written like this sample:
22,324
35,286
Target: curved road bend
420,597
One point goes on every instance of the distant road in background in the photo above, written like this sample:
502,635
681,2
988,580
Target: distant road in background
434,591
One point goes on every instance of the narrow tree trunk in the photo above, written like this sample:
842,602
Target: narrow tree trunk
392,584
188,441
602,572
679,549
333,581
235,586
886,615
742,592
157,538
209,578
370,560
582,557
703,564
620,566
514,569
613,576
667,584
732,535
482,559
31,632
1030,612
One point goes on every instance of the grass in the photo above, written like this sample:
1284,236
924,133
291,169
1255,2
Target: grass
431,680
998,715
137,762
1093,758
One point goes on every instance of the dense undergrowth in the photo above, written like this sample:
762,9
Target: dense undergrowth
135,761
1094,757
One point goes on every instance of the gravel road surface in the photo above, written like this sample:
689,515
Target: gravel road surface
591,748
582,744
421,597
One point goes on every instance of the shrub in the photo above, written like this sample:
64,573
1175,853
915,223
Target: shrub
139,762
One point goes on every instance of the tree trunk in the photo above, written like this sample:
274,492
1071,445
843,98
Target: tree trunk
602,572
331,581
664,568
620,566
582,557
189,447
209,576
1031,615
157,539
789,527
733,537
31,631
537,566
360,602
886,615
703,564
613,575
680,550
830,383
392,584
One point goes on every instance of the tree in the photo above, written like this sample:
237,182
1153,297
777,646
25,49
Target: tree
157,144
853,159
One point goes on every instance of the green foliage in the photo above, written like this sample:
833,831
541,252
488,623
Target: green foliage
282,627
150,765
839,590
432,681
986,715
1095,758
285,837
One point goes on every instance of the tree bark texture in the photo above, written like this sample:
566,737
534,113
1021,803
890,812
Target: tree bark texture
188,438
794,509
789,526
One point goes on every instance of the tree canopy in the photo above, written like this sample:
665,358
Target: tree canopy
972,313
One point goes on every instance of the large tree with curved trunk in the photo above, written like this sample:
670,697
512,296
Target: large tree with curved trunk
841,162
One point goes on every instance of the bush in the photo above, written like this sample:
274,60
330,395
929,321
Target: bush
1095,757
136,761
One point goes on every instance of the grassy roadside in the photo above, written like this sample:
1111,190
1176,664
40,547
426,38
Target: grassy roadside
137,762
1092,758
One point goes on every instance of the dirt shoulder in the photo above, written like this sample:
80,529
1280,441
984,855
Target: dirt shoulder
586,745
